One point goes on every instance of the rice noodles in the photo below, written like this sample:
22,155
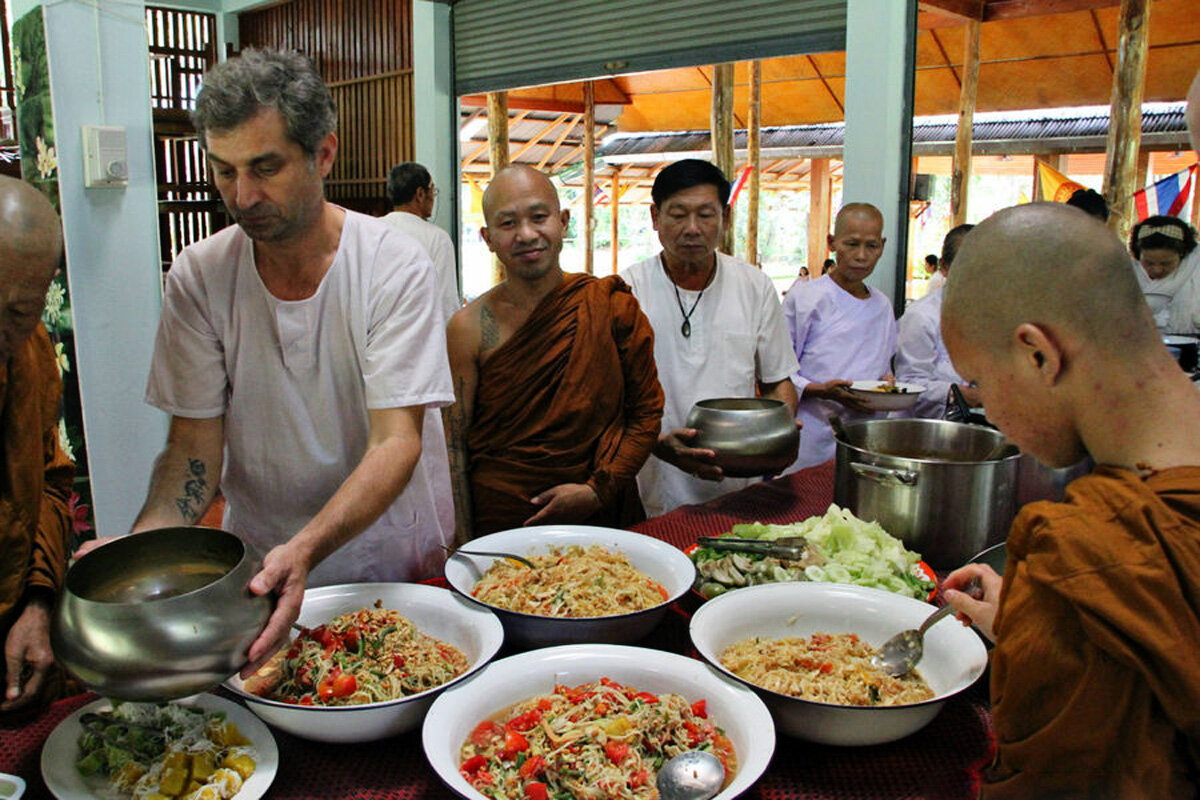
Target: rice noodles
575,582
824,668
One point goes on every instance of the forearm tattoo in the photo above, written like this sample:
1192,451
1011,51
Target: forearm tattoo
195,487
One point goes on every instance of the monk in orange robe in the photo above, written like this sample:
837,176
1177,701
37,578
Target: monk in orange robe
1095,677
558,403
35,474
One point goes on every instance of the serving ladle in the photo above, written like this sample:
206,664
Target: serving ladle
694,775
901,653
488,554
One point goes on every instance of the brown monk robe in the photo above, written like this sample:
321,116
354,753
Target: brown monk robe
35,484
1095,675
571,397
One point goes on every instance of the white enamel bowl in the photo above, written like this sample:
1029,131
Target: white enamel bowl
509,681
437,612
954,657
666,564
867,392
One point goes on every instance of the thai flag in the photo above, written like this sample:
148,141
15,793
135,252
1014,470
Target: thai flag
1167,196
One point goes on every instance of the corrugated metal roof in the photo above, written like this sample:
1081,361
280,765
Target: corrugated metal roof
1075,132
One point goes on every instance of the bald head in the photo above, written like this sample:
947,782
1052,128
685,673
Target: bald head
516,180
1051,265
30,248
863,211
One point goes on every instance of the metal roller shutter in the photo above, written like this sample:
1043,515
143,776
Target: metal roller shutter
504,44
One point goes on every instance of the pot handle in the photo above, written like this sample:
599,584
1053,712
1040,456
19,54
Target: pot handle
885,474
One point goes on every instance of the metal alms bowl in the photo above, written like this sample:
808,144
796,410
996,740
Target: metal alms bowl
752,436
160,614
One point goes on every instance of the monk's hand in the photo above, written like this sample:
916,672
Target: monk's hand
565,503
837,390
90,545
674,447
284,573
974,591
27,656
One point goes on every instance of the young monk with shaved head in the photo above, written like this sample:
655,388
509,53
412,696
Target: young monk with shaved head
842,330
35,474
1096,671
557,400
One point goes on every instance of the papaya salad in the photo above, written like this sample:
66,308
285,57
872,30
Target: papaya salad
575,582
595,740
366,656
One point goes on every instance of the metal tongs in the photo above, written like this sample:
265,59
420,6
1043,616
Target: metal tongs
791,548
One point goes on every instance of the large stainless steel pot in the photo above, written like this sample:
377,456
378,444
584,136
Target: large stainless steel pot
924,481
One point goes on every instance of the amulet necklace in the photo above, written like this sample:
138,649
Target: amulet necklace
686,327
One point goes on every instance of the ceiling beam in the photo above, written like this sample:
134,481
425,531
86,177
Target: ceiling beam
1015,9
965,10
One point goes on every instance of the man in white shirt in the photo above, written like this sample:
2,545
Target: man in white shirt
412,192
842,331
921,356
301,355
718,330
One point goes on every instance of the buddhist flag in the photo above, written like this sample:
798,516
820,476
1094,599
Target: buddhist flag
1053,185
1167,196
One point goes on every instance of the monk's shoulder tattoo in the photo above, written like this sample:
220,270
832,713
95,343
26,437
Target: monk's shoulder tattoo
489,329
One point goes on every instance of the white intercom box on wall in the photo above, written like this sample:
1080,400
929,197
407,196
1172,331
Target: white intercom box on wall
105,159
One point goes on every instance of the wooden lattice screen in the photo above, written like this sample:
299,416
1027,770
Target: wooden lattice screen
183,45
363,49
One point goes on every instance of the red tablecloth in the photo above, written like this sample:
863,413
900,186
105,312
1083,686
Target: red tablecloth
940,762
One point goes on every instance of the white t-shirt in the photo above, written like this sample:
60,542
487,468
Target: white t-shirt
921,356
936,281
440,249
835,335
294,381
737,339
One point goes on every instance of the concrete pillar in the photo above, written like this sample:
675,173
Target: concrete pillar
880,60
435,108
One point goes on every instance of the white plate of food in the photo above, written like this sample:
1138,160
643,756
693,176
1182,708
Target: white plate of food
886,395
62,751
502,691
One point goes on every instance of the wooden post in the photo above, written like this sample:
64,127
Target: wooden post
1125,130
1196,199
722,134
960,176
820,189
753,156
589,174
497,116
615,203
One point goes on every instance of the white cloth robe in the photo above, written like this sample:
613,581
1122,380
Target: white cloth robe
921,356
835,335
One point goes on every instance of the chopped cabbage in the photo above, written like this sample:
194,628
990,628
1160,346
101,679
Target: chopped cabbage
854,551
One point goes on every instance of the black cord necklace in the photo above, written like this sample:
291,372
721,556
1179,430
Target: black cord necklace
686,327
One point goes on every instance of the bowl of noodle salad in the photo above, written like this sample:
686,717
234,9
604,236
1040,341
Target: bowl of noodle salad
592,721
369,660
589,584
805,648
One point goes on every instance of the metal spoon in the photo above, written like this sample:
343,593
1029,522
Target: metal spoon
694,775
487,554
901,653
